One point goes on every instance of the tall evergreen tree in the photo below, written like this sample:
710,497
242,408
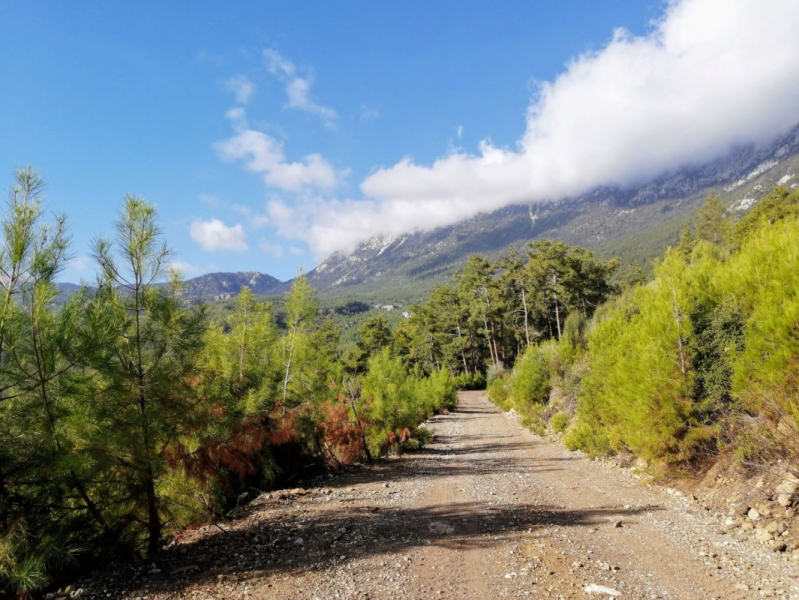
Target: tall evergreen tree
143,363
712,222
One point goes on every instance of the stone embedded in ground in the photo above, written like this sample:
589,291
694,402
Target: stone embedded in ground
763,536
772,527
594,588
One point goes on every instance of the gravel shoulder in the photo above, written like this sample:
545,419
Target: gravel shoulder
488,510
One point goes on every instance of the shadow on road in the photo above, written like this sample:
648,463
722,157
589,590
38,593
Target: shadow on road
265,548
290,536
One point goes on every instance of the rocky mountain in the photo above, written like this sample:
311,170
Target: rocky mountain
211,286
638,221
220,286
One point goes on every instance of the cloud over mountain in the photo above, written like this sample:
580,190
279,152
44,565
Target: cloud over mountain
213,235
710,75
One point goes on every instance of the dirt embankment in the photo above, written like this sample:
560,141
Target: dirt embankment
487,511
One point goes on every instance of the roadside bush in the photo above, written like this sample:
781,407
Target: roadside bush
391,402
529,382
498,392
582,436
420,437
436,392
532,417
559,422
470,381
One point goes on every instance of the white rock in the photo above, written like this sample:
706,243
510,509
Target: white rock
787,487
594,588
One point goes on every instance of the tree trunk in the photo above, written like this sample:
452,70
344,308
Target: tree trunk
555,296
243,346
153,518
463,354
490,345
526,318
492,342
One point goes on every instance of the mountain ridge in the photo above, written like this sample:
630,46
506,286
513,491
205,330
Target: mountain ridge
637,220
599,220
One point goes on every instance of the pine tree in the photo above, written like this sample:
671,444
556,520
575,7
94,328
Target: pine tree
687,242
301,308
712,223
143,361
39,488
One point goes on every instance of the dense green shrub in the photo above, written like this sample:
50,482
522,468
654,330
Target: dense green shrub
559,422
499,391
470,381
591,440
437,392
529,381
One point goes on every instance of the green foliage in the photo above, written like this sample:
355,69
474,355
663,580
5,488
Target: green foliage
436,392
470,381
649,333
591,440
499,391
673,365
712,223
762,279
394,402
559,422
126,414
778,205
529,382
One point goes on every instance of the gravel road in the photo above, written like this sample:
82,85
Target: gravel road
488,510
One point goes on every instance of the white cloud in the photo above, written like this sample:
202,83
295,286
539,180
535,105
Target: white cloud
273,250
298,88
258,221
459,131
296,251
214,235
236,115
254,220
711,75
241,87
264,154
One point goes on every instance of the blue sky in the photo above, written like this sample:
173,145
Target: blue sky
258,128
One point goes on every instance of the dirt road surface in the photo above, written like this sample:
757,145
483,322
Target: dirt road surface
488,510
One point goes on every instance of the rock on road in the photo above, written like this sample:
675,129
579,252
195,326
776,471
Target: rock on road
488,510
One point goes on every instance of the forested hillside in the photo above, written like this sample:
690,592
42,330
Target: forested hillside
126,415
696,364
